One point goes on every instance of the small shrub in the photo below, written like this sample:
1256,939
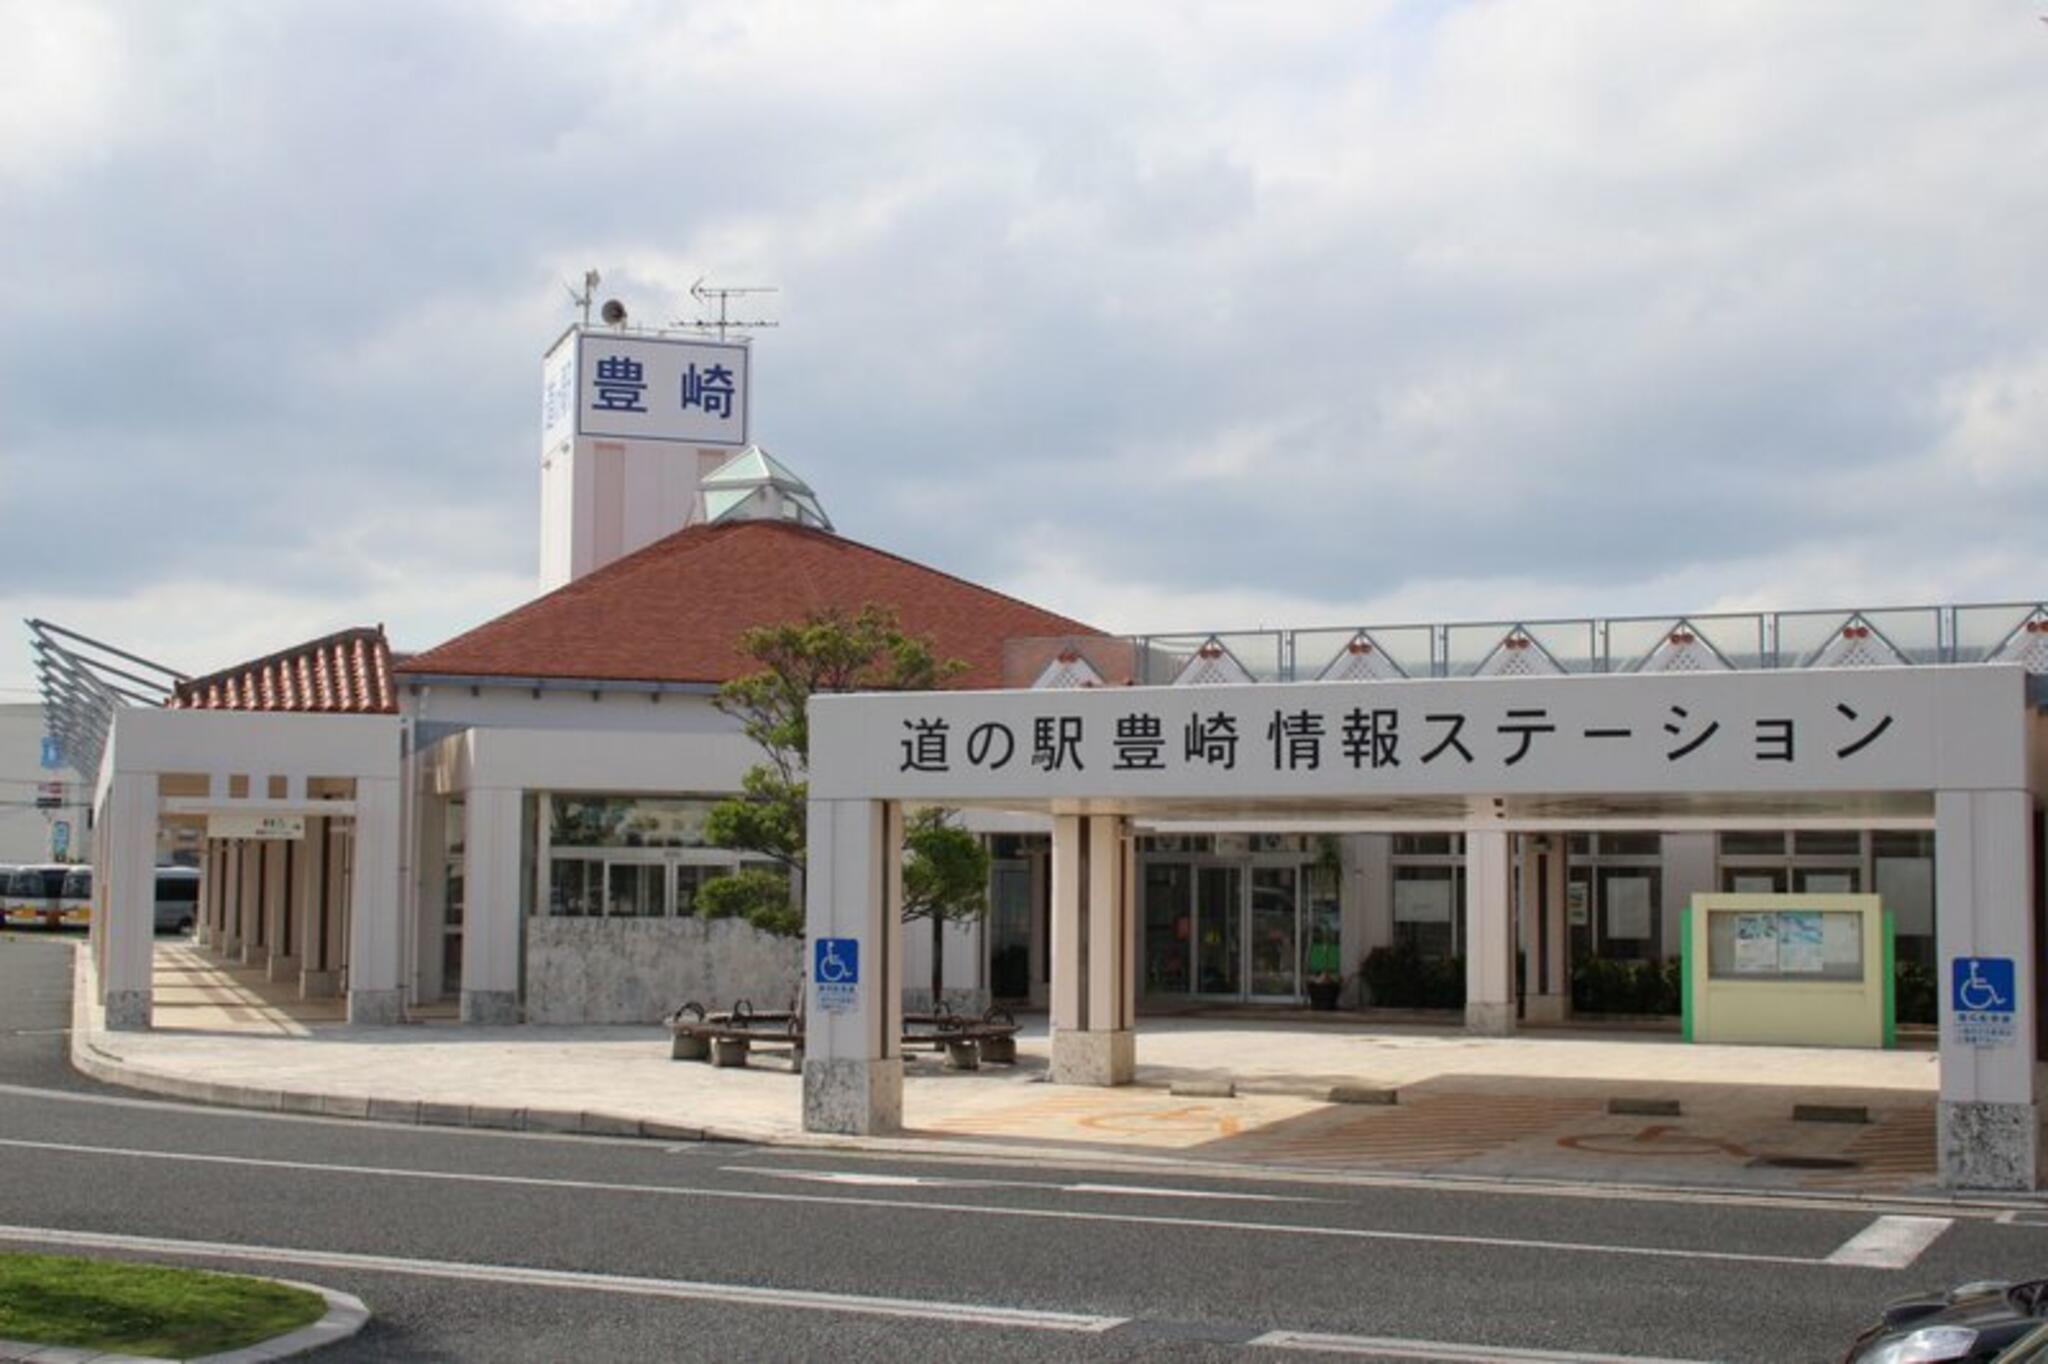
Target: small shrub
1604,986
1399,977
1914,993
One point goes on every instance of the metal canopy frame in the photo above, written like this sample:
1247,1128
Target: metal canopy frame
83,680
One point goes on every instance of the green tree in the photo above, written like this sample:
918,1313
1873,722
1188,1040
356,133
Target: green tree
945,880
830,650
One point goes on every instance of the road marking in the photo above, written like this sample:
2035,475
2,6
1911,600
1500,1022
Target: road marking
969,1313
966,1209
1890,1242
1393,1347
861,1179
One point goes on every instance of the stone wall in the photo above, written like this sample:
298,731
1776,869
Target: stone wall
637,970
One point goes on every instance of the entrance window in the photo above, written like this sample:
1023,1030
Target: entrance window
1325,920
1630,912
1275,932
1169,928
575,888
1219,929
1428,907
636,891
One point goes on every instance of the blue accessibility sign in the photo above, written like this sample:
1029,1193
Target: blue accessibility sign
835,973
53,753
1983,998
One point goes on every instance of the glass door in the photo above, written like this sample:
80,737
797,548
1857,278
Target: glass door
1009,931
1169,928
1219,930
1274,941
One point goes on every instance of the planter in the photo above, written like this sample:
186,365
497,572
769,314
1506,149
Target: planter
1322,995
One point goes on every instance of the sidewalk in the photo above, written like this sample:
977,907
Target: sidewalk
1532,1106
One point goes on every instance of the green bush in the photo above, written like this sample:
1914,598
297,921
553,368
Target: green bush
1604,986
1399,977
1914,993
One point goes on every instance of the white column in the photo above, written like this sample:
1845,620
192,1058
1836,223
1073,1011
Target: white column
1067,957
853,1041
430,898
1984,907
125,846
375,949
276,907
309,871
209,884
1094,1041
490,905
1489,934
249,903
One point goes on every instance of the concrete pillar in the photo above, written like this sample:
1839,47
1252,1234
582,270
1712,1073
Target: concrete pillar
320,954
490,916
288,939
853,1040
1094,1038
1984,907
209,884
376,959
1489,934
125,846
340,885
306,885
248,901
430,914
277,856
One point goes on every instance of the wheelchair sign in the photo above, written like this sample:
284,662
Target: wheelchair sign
1982,1000
835,973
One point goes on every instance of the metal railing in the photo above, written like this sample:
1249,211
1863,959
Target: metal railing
1860,636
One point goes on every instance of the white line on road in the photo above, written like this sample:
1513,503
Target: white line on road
909,1206
967,1313
1390,1347
863,1179
1890,1242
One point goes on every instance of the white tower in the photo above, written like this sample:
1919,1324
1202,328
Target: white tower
631,422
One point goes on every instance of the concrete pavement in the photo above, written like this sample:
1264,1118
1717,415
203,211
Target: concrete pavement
1532,1106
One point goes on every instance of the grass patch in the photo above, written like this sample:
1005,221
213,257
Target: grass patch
126,1308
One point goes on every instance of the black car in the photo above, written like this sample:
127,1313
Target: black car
1974,1321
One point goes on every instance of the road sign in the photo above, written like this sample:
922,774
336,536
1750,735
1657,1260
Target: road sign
53,753
835,974
1983,998
49,795
60,839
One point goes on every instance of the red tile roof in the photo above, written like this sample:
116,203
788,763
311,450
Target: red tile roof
347,673
674,611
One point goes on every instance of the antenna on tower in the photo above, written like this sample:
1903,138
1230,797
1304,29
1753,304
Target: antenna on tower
582,300
708,295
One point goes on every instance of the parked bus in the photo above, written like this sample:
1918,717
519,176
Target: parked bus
34,894
74,901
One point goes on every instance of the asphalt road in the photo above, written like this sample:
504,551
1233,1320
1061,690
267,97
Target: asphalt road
486,1246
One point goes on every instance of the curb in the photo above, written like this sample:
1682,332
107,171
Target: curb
91,1060
345,1316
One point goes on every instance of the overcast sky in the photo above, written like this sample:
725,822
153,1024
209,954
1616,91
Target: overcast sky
1163,316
